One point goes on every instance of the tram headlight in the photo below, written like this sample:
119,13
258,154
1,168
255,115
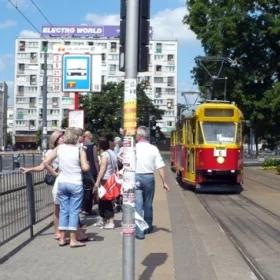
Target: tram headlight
220,160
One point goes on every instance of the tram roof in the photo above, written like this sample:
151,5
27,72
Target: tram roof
199,109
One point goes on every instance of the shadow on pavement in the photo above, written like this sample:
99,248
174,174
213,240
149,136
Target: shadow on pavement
155,229
151,262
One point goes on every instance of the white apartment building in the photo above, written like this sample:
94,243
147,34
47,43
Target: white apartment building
161,79
3,113
10,119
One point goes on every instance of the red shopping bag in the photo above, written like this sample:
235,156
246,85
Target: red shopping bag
113,188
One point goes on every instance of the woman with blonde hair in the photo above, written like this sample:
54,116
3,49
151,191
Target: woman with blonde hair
55,139
72,161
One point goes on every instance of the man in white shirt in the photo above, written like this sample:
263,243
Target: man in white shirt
148,159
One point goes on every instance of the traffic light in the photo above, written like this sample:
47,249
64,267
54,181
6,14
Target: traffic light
143,35
122,35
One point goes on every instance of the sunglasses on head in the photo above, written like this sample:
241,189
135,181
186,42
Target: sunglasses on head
57,139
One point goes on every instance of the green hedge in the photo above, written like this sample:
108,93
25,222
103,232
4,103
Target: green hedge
272,163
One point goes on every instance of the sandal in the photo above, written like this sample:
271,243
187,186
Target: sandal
84,239
62,243
77,245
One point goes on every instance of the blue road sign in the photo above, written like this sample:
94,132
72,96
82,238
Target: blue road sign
76,73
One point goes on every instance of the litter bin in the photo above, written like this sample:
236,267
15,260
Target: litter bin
16,161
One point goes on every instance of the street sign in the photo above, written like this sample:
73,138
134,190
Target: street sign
76,119
76,73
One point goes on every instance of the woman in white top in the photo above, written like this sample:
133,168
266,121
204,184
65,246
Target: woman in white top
56,139
108,166
72,160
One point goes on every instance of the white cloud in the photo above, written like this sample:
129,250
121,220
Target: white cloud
167,24
96,19
7,23
29,34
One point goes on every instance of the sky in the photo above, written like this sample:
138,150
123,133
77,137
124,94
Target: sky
166,21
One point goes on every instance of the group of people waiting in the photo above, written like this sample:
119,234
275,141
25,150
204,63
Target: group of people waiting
72,153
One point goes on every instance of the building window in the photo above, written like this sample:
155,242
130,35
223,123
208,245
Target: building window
169,123
170,91
170,81
158,68
33,57
20,114
90,43
158,47
33,79
112,68
158,92
32,124
170,58
102,80
44,45
158,80
21,68
158,57
170,69
55,101
103,58
32,102
21,45
113,47
20,89
54,123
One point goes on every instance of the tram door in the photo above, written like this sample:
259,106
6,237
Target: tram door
190,153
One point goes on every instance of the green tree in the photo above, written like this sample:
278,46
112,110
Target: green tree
38,137
104,110
9,139
248,32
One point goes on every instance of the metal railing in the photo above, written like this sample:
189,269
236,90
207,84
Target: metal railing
14,160
24,201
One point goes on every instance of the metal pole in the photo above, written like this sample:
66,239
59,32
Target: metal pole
44,107
31,201
131,50
225,89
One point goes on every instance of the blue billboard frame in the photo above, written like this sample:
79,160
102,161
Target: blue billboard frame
76,73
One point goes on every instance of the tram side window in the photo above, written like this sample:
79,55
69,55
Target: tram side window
200,135
189,133
239,134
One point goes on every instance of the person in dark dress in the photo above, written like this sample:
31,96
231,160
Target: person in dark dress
91,153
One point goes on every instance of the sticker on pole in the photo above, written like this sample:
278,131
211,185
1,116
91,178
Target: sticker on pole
130,90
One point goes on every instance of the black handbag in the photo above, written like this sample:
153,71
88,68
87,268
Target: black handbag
49,179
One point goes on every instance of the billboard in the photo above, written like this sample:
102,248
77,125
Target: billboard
76,73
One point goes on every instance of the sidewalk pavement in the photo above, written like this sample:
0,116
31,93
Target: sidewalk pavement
101,259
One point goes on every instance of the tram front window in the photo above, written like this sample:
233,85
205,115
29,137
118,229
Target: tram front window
219,132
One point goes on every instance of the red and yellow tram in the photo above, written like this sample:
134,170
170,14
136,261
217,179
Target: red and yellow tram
206,147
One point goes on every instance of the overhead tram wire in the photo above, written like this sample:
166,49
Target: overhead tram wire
41,12
26,18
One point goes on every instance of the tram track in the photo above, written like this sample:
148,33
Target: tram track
242,219
263,178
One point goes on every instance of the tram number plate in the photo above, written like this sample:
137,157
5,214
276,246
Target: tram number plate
220,152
